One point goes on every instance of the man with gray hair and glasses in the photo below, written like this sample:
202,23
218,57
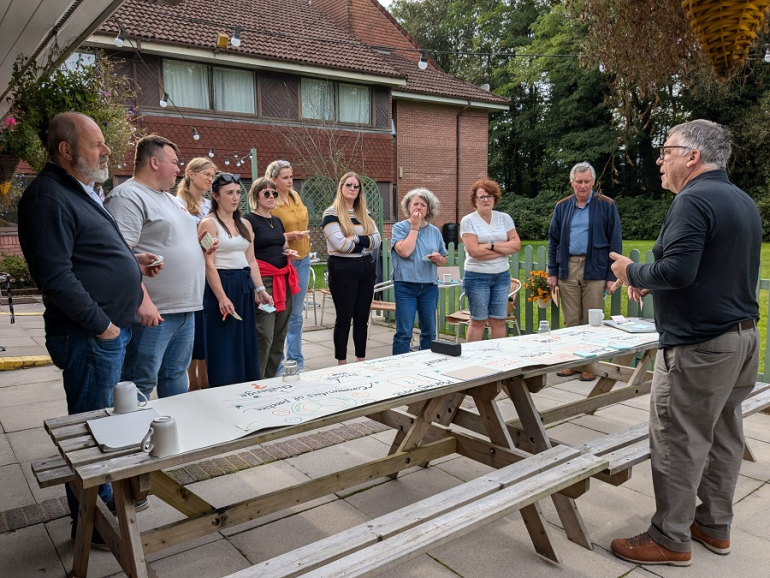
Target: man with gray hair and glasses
585,227
705,273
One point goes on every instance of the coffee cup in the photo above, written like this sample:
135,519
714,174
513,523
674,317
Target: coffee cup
162,439
595,317
447,278
125,394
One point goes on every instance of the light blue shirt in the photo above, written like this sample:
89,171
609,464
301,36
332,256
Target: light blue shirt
578,233
413,269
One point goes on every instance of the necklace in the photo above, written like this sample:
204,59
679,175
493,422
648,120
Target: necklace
268,221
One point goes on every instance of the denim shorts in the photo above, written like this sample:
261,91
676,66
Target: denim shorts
487,294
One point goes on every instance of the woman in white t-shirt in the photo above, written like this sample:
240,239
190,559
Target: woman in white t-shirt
489,237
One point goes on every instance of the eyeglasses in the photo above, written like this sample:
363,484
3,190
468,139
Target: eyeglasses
662,155
352,186
270,193
225,179
485,197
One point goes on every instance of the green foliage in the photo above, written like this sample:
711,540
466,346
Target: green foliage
532,216
42,90
564,110
17,268
641,217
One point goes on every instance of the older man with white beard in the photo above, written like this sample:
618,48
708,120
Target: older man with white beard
89,277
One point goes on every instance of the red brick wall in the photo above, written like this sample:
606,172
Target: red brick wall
9,244
373,151
427,152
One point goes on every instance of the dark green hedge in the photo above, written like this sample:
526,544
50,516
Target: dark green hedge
17,267
641,217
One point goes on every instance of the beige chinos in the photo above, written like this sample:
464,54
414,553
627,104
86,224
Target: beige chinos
696,434
578,295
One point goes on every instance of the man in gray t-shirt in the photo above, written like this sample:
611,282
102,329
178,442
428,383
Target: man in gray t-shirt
161,345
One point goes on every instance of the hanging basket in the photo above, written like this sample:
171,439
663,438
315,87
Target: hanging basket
8,166
726,30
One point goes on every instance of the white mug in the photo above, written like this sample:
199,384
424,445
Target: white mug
162,439
125,394
447,277
595,317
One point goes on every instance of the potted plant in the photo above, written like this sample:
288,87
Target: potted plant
537,288
40,91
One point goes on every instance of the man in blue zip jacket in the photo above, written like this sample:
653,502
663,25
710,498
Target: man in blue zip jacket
585,228
89,277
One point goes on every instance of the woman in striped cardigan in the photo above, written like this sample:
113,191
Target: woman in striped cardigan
351,236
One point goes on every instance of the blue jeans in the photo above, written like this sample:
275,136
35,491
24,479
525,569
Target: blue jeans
411,298
159,356
487,294
294,335
90,369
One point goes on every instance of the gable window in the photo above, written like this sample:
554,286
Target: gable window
187,83
234,90
355,104
324,100
317,99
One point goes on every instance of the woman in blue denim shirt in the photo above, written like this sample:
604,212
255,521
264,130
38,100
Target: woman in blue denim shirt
417,250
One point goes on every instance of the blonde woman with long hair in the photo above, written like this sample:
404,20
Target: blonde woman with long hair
351,236
292,213
198,176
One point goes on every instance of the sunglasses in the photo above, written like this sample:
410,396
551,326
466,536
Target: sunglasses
225,179
270,193
352,186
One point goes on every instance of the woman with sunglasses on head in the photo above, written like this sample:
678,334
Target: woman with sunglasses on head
489,237
351,236
273,254
233,287
292,212
197,180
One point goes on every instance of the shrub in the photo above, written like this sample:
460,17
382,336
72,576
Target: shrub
531,216
642,217
16,266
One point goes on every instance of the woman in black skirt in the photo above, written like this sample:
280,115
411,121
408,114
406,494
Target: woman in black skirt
233,286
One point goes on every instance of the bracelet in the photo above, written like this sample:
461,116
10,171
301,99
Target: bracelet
413,229
260,289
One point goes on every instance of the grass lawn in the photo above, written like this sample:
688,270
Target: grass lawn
643,247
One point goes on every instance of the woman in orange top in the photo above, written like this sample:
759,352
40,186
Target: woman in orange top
292,212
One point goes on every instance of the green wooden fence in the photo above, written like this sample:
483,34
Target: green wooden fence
529,314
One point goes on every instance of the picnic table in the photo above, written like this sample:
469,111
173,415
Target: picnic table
425,432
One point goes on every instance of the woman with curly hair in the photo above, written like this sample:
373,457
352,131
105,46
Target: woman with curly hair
489,237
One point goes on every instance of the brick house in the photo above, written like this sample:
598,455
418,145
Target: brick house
306,72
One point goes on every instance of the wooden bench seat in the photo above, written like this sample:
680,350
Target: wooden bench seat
392,539
626,448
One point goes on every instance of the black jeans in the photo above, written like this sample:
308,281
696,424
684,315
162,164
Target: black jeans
351,282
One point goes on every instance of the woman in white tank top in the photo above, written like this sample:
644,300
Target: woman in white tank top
233,285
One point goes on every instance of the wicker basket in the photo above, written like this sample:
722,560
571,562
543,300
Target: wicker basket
8,166
726,30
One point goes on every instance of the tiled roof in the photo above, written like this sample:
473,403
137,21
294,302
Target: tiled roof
284,30
436,82
281,30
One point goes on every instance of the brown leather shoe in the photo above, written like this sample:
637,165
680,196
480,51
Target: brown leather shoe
716,545
565,373
642,549
587,377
